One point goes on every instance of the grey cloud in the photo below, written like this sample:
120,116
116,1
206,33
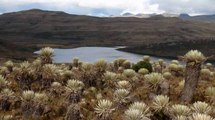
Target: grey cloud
187,6
169,6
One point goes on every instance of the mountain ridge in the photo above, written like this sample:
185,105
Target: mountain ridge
37,28
184,16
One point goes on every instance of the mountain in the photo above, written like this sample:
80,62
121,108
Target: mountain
204,18
142,15
139,15
169,15
183,16
127,14
30,30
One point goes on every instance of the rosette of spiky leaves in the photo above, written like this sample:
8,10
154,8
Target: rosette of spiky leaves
210,93
175,62
74,85
129,73
142,107
157,67
9,64
46,55
99,96
6,97
56,85
123,85
56,89
6,117
101,65
143,71
50,71
161,62
181,118
28,95
180,110
40,100
201,107
109,78
66,75
24,75
27,106
181,84
87,67
194,56
7,92
93,90
118,63
199,116
3,71
209,66
3,82
174,67
76,62
126,64
160,103
104,109
87,74
146,58
153,80
25,67
74,89
205,72
134,114
167,75
37,65
49,74
121,96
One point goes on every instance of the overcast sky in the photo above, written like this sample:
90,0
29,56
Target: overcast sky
112,7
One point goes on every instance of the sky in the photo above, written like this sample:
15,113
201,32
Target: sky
112,7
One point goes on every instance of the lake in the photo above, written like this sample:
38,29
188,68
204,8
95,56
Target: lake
92,54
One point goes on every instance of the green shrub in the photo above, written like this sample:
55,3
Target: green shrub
142,64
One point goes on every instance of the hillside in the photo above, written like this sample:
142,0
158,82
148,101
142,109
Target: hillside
34,29
203,18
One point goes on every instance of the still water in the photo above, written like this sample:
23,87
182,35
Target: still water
92,54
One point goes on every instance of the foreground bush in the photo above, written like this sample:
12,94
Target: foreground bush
142,64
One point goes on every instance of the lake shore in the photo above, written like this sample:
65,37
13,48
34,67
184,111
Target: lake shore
108,53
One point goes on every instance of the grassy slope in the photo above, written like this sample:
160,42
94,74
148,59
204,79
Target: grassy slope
15,52
36,28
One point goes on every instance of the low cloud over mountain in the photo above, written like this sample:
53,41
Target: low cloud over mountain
113,7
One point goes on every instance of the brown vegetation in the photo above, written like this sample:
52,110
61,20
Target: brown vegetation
42,90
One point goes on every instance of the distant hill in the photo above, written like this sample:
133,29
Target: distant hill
141,15
35,28
204,18
127,14
183,16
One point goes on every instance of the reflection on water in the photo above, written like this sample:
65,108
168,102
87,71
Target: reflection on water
92,54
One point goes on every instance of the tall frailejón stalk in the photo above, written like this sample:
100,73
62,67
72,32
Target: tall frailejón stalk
194,60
